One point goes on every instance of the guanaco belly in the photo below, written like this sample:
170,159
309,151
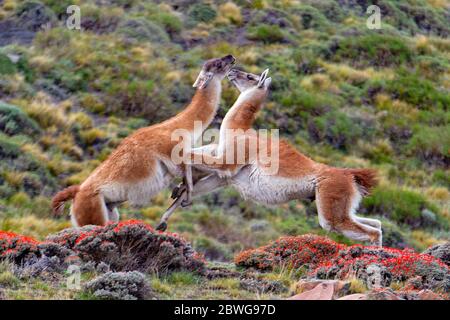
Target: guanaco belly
139,193
255,184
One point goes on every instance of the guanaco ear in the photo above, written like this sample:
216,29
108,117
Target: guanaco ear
267,82
203,79
262,78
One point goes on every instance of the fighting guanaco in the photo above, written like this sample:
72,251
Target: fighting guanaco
338,191
141,165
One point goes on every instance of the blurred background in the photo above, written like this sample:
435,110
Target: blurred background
343,94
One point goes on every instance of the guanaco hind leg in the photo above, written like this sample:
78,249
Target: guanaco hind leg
337,199
89,208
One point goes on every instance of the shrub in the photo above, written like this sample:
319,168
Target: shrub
375,49
14,121
419,92
131,245
231,12
8,148
431,144
142,30
17,248
6,65
335,128
201,12
311,18
293,252
120,286
327,259
266,33
401,205
393,265
32,15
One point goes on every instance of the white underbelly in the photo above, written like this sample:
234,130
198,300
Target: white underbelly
254,184
138,193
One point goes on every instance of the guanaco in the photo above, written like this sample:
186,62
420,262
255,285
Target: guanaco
141,165
337,191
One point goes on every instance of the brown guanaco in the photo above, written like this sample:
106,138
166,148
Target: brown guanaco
338,191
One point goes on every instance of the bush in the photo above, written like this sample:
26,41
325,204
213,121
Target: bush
293,252
417,91
374,49
400,205
326,259
142,30
120,286
266,33
201,12
335,128
431,144
14,121
131,245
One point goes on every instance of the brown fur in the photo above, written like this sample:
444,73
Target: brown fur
337,190
63,196
137,158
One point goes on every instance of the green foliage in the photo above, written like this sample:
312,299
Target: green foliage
418,91
6,65
336,128
201,12
374,49
400,205
14,121
266,33
431,144
142,30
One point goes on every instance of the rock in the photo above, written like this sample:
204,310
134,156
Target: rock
323,291
262,286
340,288
382,294
355,296
440,251
428,295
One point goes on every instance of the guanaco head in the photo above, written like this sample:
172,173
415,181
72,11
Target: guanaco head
214,68
244,81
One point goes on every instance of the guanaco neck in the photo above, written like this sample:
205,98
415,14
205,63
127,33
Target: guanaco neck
242,114
203,108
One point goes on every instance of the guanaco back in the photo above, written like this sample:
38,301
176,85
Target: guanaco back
141,166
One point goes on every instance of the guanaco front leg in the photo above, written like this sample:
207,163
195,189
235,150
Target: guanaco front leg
189,186
203,186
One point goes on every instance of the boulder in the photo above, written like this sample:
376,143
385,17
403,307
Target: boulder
340,288
355,296
428,295
323,291
440,251
382,294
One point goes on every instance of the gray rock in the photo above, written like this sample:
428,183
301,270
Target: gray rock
440,251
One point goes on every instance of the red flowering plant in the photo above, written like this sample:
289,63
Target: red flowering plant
17,248
131,245
123,246
293,251
327,259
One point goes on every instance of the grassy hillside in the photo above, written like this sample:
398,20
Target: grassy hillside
343,94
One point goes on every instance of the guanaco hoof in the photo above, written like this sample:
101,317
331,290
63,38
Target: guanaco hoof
162,226
185,203
178,191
